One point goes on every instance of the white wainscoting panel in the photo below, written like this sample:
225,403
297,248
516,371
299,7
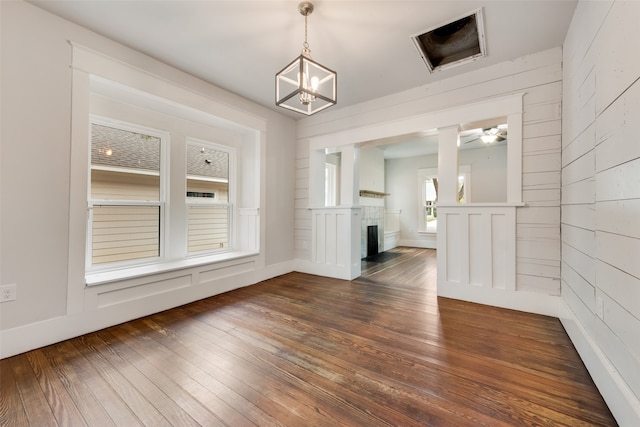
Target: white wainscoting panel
249,229
336,242
392,220
476,248
391,239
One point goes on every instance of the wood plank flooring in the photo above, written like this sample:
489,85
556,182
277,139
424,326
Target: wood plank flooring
302,350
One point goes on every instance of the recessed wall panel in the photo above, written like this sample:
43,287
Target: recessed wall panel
479,248
454,247
331,241
499,248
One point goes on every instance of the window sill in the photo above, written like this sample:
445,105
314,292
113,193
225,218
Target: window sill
104,277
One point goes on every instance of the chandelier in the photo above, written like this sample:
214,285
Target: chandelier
304,85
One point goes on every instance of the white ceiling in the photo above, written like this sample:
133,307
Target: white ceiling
240,45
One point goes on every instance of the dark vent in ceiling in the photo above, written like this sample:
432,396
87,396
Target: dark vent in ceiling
452,44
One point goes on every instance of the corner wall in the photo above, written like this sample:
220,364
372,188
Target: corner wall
601,198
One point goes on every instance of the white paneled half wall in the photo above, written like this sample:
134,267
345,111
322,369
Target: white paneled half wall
478,248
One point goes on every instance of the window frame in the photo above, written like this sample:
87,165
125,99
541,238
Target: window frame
97,76
161,203
202,201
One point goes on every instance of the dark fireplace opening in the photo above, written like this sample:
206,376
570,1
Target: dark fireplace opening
372,240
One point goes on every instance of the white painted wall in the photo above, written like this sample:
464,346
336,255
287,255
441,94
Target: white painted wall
601,198
35,188
372,175
401,176
371,170
488,173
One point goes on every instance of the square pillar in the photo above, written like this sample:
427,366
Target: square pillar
448,165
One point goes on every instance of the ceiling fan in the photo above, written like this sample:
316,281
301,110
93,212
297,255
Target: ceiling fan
489,135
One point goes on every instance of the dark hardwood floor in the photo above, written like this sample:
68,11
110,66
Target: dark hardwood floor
302,350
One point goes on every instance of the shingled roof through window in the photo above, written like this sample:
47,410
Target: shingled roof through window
118,148
205,161
124,149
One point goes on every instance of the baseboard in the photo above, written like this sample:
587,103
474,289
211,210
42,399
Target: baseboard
273,270
337,272
529,302
623,403
425,244
39,334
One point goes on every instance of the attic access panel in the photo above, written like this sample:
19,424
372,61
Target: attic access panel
455,43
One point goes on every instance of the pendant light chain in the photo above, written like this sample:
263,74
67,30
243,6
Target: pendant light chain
305,46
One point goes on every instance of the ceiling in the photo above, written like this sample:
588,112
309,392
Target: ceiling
240,45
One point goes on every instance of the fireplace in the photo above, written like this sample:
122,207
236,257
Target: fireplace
372,240
371,216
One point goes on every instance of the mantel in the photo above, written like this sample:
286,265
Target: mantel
373,194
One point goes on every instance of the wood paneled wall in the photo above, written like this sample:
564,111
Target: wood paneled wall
601,197
539,76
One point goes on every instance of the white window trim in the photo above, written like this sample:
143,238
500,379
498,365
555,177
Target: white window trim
133,77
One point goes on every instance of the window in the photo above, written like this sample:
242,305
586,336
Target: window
129,204
130,214
126,193
209,207
428,198
430,186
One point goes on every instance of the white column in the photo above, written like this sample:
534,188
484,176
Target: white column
335,230
350,176
514,158
448,165
350,198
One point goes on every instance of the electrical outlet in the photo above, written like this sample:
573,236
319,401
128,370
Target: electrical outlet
7,293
